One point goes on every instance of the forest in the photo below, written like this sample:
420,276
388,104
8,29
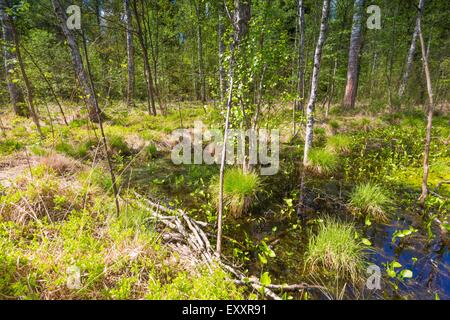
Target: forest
224,150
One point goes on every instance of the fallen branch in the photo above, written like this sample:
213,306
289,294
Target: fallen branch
187,230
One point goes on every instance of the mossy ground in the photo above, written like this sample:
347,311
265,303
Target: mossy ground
64,215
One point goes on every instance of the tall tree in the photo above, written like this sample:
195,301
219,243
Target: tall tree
430,108
351,88
222,72
301,55
411,51
77,62
147,69
315,80
130,53
28,87
10,57
240,22
201,68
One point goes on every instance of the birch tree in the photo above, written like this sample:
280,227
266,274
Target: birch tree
241,19
430,108
411,51
77,61
315,80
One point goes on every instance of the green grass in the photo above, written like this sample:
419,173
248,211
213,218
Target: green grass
238,190
338,143
370,199
335,251
8,146
322,161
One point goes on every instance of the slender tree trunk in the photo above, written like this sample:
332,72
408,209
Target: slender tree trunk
222,73
130,54
333,79
147,69
301,57
28,87
49,85
201,69
315,80
241,20
9,56
411,52
351,88
102,131
78,63
430,108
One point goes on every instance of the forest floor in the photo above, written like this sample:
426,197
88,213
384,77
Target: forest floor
57,207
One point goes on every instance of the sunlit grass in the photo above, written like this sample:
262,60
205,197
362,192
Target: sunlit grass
334,250
338,143
370,199
322,161
239,189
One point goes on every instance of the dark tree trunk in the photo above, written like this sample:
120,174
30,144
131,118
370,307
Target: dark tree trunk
77,62
147,69
351,88
9,56
28,87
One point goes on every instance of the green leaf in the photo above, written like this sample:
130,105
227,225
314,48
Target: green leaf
406,274
391,273
396,264
265,279
262,258
366,242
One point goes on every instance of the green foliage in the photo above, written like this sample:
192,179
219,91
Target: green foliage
239,189
338,143
335,251
370,199
203,286
322,161
8,146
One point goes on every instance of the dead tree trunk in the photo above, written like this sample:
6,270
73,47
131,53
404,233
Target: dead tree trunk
411,52
130,54
424,194
9,56
351,88
315,80
147,69
77,62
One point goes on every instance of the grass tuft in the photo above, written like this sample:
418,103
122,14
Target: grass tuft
370,199
335,250
322,161
239,189
338,143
